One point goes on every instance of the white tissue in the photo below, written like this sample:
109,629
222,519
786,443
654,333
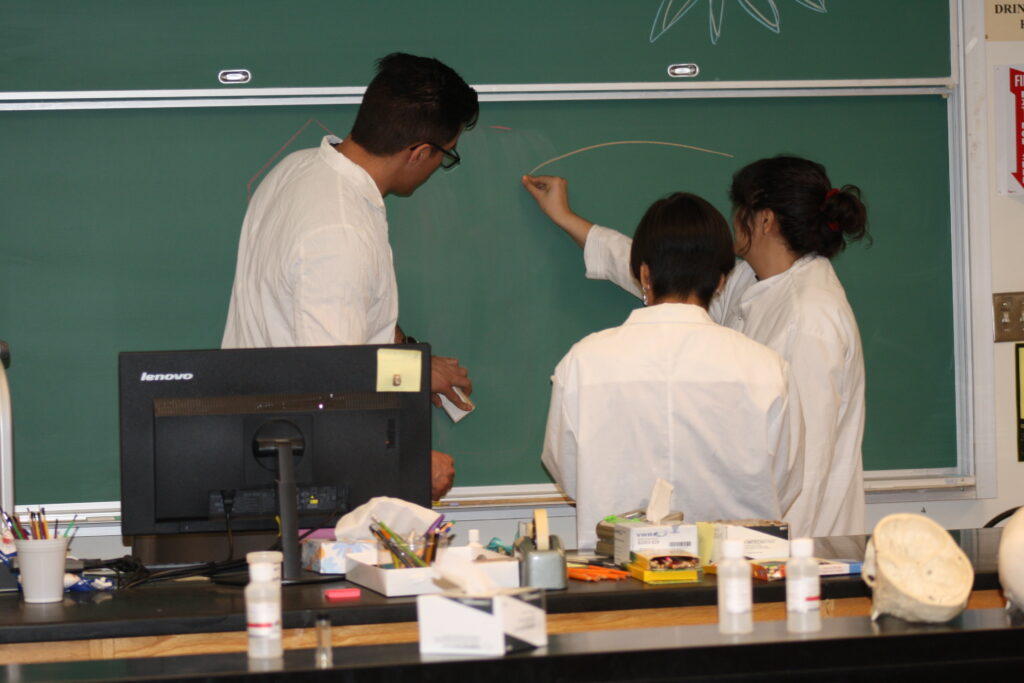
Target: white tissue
400,515
467,576
661,501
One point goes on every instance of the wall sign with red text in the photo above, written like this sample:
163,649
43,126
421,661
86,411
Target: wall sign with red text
1009,89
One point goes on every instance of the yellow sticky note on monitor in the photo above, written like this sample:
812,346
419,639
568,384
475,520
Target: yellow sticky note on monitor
399,369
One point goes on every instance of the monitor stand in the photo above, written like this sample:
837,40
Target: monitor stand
201,547
292,572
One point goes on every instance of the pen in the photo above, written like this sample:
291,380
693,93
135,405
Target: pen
416,559
18,528
10,523
436,523
397,553
70,526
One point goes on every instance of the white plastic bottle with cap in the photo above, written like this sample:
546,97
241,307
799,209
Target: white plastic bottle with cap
476,549
263,605
735,590
803,588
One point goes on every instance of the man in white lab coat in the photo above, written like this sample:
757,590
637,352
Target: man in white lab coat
314,262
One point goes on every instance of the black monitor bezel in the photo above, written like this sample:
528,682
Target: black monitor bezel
220,372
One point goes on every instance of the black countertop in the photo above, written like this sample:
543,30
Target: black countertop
202,607
977,645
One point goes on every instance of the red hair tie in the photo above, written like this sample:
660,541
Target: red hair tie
830,194
833,226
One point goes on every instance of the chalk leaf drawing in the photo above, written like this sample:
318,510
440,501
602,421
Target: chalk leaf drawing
765,12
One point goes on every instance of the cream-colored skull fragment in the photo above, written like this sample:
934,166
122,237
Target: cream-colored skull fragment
916,570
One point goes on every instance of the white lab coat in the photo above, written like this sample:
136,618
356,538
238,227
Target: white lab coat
671,394
314,263
802,314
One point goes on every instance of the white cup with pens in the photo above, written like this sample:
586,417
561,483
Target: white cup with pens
41,566
41,554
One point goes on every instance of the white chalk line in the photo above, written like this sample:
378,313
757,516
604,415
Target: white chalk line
631,142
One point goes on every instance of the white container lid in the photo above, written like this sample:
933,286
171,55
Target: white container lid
265,557
801,547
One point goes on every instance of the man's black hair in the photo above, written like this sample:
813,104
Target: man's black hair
413,100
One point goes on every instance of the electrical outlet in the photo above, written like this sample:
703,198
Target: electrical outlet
1008,309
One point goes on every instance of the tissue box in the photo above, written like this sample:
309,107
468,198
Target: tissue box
325,556
420,580
634,537
761,539
457,624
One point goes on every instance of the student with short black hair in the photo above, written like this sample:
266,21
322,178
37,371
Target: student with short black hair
671,394
413,100
789,221
314,263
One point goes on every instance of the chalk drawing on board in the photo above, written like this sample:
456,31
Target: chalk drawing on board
765,12
278,153
629,142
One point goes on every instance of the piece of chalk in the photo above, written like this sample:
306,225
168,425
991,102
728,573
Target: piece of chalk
454,412
342,593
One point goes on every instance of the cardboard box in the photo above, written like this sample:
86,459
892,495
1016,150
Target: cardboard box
632,537
657,560
327,556
421,580
775,570
458,624
760,541
663,575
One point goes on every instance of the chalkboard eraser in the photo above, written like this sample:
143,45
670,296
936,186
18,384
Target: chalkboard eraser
454,412
342,593
234,76
683,70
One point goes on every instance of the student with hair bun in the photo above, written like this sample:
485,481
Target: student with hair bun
788,222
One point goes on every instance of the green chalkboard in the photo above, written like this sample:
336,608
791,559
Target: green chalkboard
67,45
119,230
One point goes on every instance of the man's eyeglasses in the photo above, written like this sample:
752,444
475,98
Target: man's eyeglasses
451,157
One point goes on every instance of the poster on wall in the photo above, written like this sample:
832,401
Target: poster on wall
1009,95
